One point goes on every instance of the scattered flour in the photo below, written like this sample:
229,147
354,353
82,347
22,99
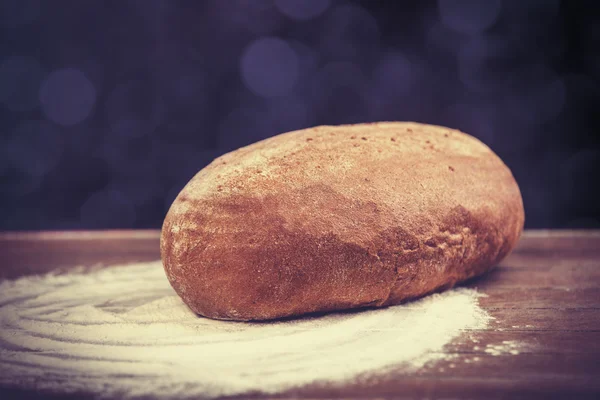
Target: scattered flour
123,331
506,347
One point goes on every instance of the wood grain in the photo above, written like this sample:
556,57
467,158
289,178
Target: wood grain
545,295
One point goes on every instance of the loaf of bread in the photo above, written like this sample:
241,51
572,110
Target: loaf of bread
339,217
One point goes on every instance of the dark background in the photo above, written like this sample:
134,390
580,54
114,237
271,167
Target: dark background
107,108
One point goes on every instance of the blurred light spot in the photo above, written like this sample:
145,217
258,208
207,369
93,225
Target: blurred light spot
20,79
67,96
350,33
302,9
269,67
18,12
470,119
136,99
394,73
107,209
469,16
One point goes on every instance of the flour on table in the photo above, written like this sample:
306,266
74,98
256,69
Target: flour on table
506,347
123,331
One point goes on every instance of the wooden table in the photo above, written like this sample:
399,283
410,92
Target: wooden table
546,295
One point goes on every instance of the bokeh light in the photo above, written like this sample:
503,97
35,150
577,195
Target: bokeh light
67,96
269,67
124,105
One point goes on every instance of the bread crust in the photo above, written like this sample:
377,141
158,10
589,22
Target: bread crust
339,217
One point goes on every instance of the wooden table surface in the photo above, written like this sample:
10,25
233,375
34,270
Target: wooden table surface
545,295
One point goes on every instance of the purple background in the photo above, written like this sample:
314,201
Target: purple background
107,108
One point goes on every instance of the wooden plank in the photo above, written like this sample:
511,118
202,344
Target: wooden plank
426,387
562,242
504,296
545,298
558,275
25,253
529,340
37,252
548,319
526,375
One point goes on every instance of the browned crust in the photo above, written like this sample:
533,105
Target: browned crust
340,217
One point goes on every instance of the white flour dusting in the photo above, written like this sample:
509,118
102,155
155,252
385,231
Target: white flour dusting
506,347
123,331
